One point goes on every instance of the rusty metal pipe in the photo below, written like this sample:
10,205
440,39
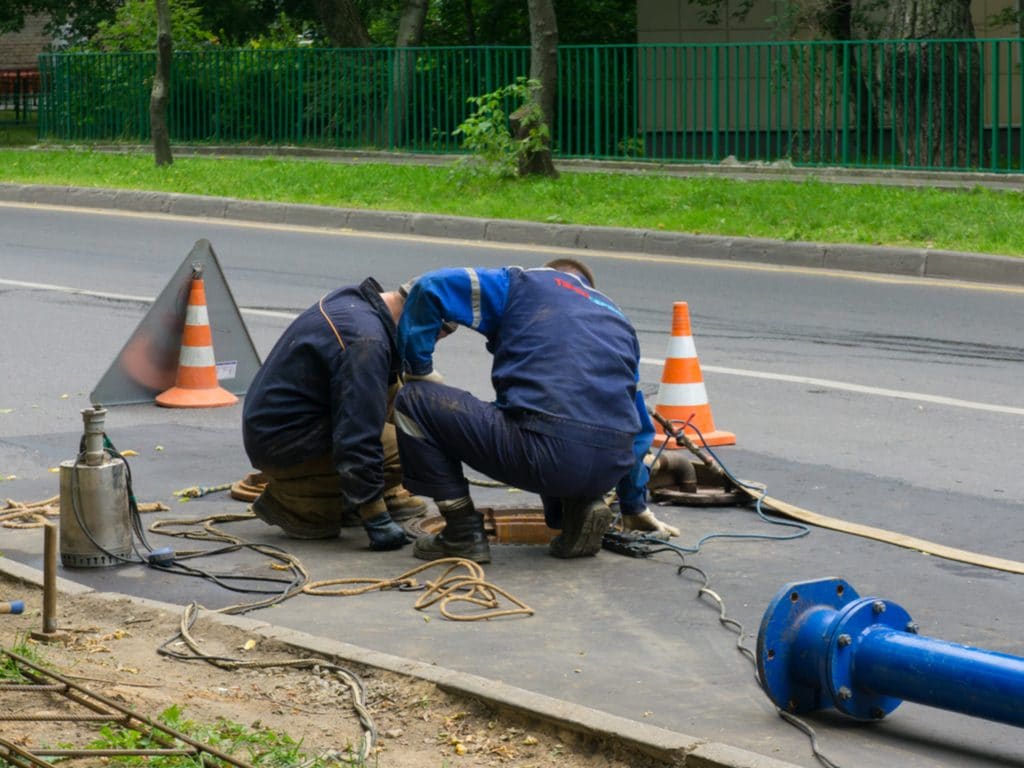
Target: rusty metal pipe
49,578
673,469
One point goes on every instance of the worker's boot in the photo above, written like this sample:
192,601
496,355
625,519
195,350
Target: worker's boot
463,534
584,523
402,504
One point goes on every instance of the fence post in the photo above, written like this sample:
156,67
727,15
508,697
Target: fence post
299,97
846,103
993,77
596,149
715,104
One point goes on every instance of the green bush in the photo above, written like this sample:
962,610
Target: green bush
487,135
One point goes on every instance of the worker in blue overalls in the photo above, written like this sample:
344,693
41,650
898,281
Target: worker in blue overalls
315,421
568,423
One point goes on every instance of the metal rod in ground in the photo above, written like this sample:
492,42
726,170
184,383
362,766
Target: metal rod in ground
49,578
49,586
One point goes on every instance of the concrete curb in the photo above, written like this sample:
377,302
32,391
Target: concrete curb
668,747
907,262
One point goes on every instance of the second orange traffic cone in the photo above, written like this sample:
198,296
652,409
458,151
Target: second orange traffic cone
196,381
681,395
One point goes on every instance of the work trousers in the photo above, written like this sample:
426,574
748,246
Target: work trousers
440,428
312,492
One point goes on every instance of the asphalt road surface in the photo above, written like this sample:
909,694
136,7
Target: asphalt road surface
886,401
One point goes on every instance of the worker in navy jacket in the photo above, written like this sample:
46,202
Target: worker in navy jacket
315,421
568,421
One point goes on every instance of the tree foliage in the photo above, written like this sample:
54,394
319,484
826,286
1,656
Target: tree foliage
237,23
134,28
71,20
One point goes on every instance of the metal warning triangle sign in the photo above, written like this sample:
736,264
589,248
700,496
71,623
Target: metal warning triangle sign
148,363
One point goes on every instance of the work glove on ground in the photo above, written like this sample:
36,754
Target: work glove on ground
384,533
646,522
433,376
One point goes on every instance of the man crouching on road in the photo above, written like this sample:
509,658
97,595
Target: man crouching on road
568,422
315,421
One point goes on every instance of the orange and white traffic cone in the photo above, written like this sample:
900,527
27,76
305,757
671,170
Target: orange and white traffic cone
681,395
196,381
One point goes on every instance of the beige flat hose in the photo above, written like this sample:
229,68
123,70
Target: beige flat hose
889,537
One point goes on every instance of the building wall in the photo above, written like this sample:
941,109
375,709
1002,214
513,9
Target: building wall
21,49
682,84
679,21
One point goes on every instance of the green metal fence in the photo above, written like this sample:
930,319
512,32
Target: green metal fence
923,104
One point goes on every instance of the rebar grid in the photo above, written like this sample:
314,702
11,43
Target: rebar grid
105,710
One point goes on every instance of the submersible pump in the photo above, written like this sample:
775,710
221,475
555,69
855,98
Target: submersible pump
95,519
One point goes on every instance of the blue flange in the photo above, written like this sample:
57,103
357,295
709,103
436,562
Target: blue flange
852,625
790,662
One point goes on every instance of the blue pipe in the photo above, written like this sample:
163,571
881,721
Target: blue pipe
821,645
940,674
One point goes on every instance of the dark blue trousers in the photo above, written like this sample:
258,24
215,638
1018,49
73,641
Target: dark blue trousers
440,428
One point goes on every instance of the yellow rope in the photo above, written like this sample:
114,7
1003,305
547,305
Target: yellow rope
35,514
31,514
469,587
447,589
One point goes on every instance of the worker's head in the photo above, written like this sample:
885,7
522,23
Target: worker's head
573,267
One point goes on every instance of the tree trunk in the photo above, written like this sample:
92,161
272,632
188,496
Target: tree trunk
837,20
410,35
467,12
932,88
343,23
543,69
161,86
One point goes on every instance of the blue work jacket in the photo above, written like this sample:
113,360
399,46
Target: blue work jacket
565,357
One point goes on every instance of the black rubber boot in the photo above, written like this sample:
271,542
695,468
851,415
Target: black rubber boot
463,536
584,523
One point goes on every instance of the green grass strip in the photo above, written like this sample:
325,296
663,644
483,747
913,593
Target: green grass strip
975,220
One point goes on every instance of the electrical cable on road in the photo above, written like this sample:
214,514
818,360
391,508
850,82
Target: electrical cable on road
639,545
167,560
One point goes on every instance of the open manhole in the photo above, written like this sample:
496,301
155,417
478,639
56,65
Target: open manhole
503,525
689,483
